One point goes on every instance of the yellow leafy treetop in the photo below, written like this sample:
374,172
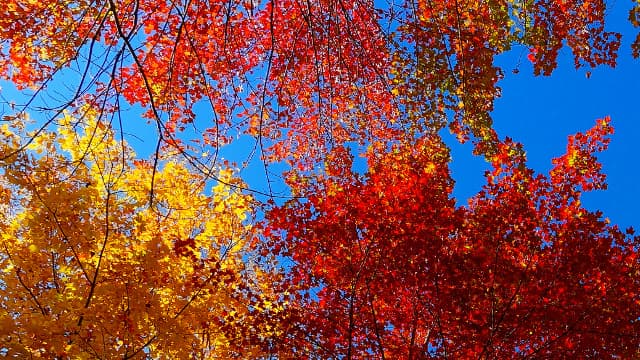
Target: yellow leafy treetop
89,269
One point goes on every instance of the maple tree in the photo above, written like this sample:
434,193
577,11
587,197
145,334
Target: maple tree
105,254
88,269
387,266
299,77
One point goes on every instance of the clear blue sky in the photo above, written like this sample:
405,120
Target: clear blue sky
541,112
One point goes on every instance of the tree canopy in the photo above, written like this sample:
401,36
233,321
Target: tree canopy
107,254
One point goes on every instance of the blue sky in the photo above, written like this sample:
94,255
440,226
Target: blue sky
541,112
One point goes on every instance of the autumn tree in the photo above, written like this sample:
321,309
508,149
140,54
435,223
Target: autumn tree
298,77
386,266
89,270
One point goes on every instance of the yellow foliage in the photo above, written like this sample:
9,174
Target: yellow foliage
89,268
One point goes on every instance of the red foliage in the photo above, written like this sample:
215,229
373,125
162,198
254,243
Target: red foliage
386,266
301,76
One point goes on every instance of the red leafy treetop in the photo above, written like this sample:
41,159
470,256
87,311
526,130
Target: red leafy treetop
301,77
386,266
